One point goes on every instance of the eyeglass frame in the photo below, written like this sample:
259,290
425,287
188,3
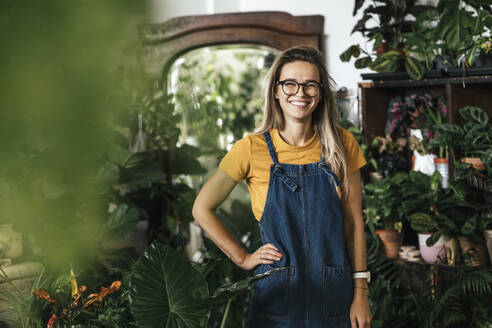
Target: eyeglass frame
320,85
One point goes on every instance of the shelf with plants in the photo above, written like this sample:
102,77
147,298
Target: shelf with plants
417,41
450,207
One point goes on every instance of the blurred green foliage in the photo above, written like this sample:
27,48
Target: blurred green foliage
59,99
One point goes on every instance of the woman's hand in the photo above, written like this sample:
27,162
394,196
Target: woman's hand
266,254
360,314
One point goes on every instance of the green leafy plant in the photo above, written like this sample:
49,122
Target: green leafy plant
473,139
382,203
166,290
24,309
389,50
434,209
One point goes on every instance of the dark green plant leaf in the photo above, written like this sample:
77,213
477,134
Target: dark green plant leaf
433,239
474,114
414,68
165,290
386,63
122,221
352,51
469,225
185,161
422,222
119,155
362,62
358,4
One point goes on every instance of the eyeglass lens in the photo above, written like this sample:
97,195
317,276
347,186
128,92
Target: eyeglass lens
290,88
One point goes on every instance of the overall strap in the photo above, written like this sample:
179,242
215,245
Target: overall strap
326,167
271,147
277,167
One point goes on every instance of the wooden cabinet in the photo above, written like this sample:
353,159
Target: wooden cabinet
374,98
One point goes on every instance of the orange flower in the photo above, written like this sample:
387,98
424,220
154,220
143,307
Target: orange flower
52,321
42,294
104,291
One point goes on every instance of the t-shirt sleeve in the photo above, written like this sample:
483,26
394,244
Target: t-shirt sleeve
237,162
355,156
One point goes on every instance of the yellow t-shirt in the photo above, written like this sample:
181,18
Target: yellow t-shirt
249,159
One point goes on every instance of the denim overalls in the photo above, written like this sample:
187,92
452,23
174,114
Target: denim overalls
303,219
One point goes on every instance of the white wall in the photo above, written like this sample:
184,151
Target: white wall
338,24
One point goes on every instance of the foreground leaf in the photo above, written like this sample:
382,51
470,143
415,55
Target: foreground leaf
165,290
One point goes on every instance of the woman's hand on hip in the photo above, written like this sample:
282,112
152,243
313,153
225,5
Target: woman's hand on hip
266,254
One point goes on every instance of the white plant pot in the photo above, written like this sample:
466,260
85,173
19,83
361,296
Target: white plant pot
432,254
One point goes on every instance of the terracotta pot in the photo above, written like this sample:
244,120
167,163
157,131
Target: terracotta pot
391,242
442,165
434,253
474,254
475,161
488,241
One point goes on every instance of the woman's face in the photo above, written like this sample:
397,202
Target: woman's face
300,106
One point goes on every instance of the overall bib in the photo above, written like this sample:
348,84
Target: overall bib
303,219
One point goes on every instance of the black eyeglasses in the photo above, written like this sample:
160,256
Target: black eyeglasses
291,88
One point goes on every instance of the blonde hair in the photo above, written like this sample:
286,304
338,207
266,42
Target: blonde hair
325,117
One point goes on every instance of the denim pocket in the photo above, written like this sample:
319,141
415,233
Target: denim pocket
271,295
338,290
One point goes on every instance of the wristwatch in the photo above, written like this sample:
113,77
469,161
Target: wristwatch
362,274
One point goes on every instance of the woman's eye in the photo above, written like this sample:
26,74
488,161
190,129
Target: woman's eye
291,84
311,85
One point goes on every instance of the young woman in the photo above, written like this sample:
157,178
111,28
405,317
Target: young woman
302,170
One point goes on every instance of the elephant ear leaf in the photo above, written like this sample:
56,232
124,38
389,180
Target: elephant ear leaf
165,290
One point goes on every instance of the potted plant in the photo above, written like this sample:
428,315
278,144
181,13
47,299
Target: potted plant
430,210
390,157
389,52
471,242
383,213
472,140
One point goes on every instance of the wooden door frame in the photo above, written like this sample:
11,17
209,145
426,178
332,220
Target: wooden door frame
162,43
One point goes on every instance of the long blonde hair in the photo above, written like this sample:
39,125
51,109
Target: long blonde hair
325,117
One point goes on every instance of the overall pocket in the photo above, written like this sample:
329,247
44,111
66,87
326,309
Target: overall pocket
271,295
338,290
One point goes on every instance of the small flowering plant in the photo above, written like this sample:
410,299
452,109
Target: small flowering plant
66,314
417,110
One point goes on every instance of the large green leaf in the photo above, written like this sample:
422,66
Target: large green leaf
185,161
122,221
165,290
474,114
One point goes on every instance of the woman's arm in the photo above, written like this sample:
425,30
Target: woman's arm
213,193
354,227
356,246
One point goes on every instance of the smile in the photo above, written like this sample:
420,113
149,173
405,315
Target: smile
299,103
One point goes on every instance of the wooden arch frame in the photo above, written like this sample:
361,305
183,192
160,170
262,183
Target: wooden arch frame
162,44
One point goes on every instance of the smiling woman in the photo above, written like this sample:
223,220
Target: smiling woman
302,170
